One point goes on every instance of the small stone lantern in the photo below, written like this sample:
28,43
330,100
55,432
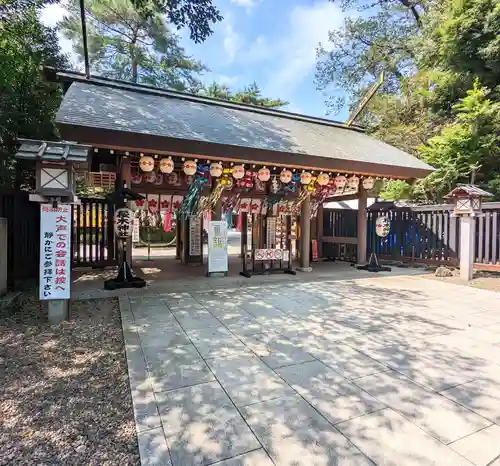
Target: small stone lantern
467,206
55,166
467,200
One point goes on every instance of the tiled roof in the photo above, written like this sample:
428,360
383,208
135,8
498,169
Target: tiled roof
469,189
124,108
52,151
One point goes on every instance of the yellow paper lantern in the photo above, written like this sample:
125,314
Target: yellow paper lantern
189,167
147,163
166,165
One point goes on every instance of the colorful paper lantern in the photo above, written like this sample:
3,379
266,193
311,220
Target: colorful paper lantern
216,169
238,172
353,182
286,176
166,165
305,177
264,174
368,183
146,163
323,179
340,181
190,167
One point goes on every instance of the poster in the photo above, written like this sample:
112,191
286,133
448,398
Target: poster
136,231
194,236
55,251
217,247
271,233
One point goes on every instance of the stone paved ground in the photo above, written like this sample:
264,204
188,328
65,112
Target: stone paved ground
389,370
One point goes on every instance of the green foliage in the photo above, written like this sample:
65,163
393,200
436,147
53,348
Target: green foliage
197,15
124,44
249,95
28,103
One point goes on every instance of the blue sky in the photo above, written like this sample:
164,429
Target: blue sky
272,42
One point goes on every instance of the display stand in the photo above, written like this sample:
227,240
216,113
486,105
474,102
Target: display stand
381,231
266,257
125,277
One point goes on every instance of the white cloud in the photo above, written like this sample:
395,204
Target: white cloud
245,3
232,41
294,56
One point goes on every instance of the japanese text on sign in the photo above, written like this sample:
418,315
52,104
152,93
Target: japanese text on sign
124,222
55,251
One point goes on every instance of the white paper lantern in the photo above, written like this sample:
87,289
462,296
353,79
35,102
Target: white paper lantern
305,177
353,182
340,181
382,226
166,165
146,163
286,176
189,167
216,169
323,179
264,174
238,172
368,183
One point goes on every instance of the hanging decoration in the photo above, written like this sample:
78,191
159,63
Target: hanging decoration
137,178
353,182
208,203
264,174
286,176
238,172
173,179
305,177
311,186
226,180
294,206
216,169
275,185
340,182
229,203
190,167
165,203
153,205
166,165
368,183
158,179
323,179
150,177
246,182
147,163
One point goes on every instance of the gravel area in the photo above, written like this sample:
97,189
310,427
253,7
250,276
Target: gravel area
65,397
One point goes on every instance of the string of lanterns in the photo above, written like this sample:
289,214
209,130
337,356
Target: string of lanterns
320,185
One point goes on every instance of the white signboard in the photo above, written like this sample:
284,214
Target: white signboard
135,231
194,236
217,247
55,251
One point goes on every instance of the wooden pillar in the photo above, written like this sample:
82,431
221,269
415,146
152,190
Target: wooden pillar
185,240
319,229
305,235
361,233
126,176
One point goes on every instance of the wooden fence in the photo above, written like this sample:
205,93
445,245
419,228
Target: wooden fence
427,234
23,236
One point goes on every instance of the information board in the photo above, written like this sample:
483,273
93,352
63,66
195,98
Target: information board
217,247
194,236
55,251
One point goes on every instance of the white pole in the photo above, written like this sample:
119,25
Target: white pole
467,243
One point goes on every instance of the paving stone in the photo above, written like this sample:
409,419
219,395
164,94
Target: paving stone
216,342
391,440
346,360
294,434
254,458
482,447
245,326
153,448
146,416
331,394
481,397
435,414
275,350
203,426
199,319
166,339
177,367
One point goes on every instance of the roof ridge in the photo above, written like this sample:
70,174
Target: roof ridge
145,89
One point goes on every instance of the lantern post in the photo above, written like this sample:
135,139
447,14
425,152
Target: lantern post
55,191
466,200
